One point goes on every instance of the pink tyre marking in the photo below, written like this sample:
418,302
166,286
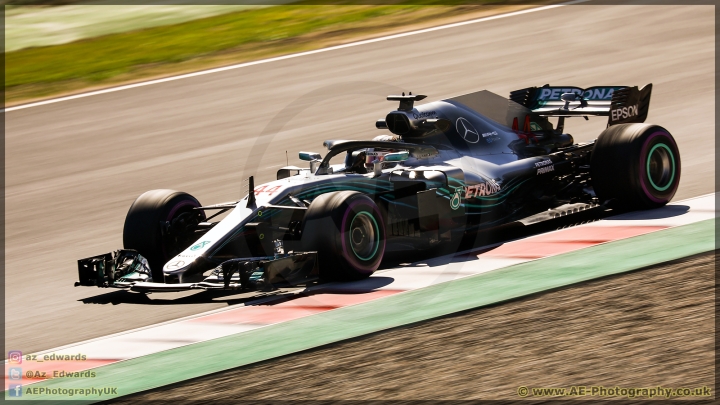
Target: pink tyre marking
348,253
173,211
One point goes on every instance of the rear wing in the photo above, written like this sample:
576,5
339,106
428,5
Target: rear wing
621,104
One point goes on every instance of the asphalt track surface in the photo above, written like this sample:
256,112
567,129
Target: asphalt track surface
639,329
73,168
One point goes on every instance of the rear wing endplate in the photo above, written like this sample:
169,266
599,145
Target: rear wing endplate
621,104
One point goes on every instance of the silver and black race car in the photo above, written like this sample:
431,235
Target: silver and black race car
451,169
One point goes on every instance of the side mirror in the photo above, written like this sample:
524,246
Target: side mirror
309,156
288,171
313,158
397,156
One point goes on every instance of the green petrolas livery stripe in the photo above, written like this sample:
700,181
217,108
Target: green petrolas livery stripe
377,232
672,158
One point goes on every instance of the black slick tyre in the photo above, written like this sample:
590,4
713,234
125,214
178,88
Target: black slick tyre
159,225
635,166
347,230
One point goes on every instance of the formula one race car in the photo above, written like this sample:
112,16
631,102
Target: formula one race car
452,168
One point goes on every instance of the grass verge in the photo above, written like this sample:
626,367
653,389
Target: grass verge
44,72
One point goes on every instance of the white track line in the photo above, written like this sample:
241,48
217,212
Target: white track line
295,55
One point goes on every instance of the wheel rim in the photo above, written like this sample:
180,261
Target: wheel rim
661,167
364,235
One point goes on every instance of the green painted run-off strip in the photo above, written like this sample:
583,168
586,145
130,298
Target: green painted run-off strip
276,340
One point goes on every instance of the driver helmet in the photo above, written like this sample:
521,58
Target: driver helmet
378,154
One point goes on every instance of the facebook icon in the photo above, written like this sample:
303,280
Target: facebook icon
15,390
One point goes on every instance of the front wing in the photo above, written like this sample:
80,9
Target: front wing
128,269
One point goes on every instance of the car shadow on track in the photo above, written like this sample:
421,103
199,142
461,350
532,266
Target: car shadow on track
230,298
667,211
352,287
195,297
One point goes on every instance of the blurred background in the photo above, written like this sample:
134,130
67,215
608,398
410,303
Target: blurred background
72,168
63,47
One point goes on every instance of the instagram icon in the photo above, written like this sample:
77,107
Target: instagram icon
15,357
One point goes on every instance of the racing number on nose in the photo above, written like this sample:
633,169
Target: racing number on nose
467,130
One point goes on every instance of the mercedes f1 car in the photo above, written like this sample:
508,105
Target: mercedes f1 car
450,169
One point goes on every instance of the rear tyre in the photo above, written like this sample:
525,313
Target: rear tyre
159,225
347,230
635,166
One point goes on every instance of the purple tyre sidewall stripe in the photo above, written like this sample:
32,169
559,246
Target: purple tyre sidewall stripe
170,216
349,253
643,162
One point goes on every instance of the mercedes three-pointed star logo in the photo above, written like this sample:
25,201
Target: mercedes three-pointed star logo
175,265
467,130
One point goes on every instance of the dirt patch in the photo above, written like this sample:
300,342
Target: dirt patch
648,328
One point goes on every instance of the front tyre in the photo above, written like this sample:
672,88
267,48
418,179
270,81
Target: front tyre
635,166
347,230
159,225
